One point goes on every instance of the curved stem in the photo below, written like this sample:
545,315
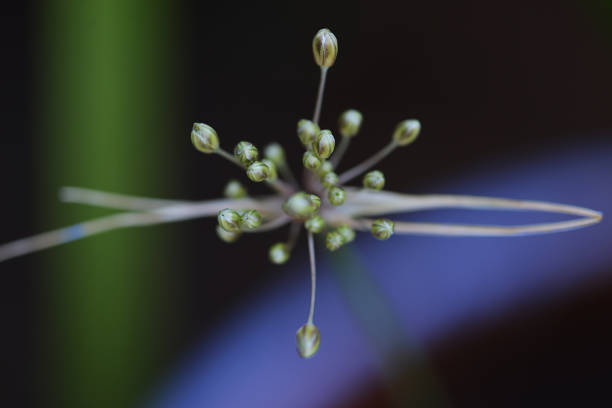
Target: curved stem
366,164
313,277
319,103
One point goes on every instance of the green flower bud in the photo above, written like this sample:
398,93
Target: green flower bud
204,138
301,205
307,131
315,224
325,168
250,219
273,173
406,132
275,153
329,180
382,228
246,153
307,340
227,236
349,123
347,233
278,253
324,144
336,196
325,48
310,160
229,220
234,189
258,171
374,180
333,240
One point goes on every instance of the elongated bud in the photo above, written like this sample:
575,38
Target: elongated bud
273,173
307,131
227,236
275,153
325,168
382,228
315,224
307,339
347,233
258,171
234,189
229,220
324,144
278,253
406,132
310,160
349,123
246,153
250,219
374,180
204,138
333,240
329,180
336,196
325,48
301,205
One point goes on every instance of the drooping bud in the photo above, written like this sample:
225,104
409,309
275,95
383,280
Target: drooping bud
406,132
347,233
329,180
349,123
336,196
229,220
278,253
234,189
307,340
325,168
333,240
374,180
246,153
258,171
301,205
250,219
324,144
275,153
204,138
382,228
307,131
325,48
227,236
315,224
273,173
310,160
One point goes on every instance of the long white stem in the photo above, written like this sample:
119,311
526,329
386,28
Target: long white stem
113,200
313,277
366,164
317,112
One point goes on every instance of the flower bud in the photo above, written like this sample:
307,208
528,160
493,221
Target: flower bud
278,253
316,201
329,180
349,123
227,236
336,196
234,189
246,153
275,153
325,168
324,144
204,138
347,233
273,173
406,132
310,160
307,340
315,224
325,48
374,180
250,219
301,205
382,228
307,131
258,171
229,220
333,240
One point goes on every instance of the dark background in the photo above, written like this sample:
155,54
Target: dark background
484,78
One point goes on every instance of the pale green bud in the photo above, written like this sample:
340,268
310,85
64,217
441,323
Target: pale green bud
347,233
382,228
278,253
258,171
310,160
333,240
307,340
307,131
227,236
250,219
374,180
301,205
324,144
325,48
273,173
229,220
325,168
246,153
406,132
234,189
349,123
315,200
204,138
329,180
336,196
275,153
315,224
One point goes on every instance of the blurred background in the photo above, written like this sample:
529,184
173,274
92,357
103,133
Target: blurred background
514,101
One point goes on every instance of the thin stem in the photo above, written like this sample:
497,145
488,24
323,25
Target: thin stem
285,170
113,200
339,152
313,277
366,164
229,157
294,231
319,103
